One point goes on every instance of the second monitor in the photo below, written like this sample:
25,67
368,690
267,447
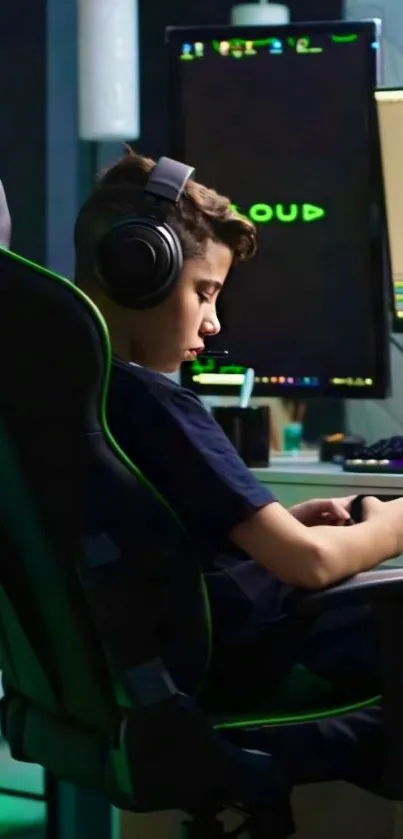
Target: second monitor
283,120
390,110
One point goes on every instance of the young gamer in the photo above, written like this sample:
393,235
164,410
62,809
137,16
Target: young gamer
153,250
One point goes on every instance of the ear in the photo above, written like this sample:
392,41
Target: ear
5,220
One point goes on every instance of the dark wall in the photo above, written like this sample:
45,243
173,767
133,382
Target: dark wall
39,152
23,65
65,156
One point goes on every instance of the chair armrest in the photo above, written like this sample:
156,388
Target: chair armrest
368,587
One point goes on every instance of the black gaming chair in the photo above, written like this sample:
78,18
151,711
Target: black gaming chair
89,628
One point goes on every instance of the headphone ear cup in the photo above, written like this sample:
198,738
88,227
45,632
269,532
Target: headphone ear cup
138,262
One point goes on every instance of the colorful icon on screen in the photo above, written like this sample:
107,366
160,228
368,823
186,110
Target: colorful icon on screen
304,47
187,52
199,49
249,48
346,38
276,47
225,47
237,50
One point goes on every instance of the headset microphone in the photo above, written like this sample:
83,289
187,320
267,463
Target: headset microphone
215,354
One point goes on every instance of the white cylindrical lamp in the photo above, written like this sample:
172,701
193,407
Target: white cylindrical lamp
260,14
108,71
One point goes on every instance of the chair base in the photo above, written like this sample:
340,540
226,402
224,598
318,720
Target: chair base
202,828
263,825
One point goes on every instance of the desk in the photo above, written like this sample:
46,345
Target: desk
296,478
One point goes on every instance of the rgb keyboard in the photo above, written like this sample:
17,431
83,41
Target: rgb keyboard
386,466
385,456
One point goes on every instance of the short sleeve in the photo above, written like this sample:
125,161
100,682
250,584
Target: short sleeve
181,449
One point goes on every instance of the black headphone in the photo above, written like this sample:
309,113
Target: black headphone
139,260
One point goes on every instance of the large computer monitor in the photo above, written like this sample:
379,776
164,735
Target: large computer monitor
284,121
390,111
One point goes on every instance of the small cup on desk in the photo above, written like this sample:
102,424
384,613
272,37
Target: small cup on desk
292,437
248,429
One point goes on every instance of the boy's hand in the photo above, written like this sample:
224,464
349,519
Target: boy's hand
332,511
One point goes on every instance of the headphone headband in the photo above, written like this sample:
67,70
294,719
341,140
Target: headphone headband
168,180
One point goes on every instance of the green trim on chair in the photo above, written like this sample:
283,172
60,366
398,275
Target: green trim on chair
259,720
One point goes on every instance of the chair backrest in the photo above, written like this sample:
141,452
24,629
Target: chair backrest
76,608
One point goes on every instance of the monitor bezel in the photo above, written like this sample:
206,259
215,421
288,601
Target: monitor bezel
396,322
380,389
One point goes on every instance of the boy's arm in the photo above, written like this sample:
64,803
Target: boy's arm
316,557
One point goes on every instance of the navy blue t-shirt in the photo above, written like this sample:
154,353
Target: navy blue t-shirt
169,435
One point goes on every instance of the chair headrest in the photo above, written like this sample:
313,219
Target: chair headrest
5,220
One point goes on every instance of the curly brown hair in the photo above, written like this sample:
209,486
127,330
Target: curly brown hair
201,215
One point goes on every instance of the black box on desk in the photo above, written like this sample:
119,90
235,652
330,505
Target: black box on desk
248,429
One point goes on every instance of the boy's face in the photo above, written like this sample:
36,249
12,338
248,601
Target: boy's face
162,338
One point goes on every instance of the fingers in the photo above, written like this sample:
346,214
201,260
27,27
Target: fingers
347,500
339,511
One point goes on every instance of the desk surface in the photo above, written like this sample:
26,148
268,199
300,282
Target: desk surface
306,469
